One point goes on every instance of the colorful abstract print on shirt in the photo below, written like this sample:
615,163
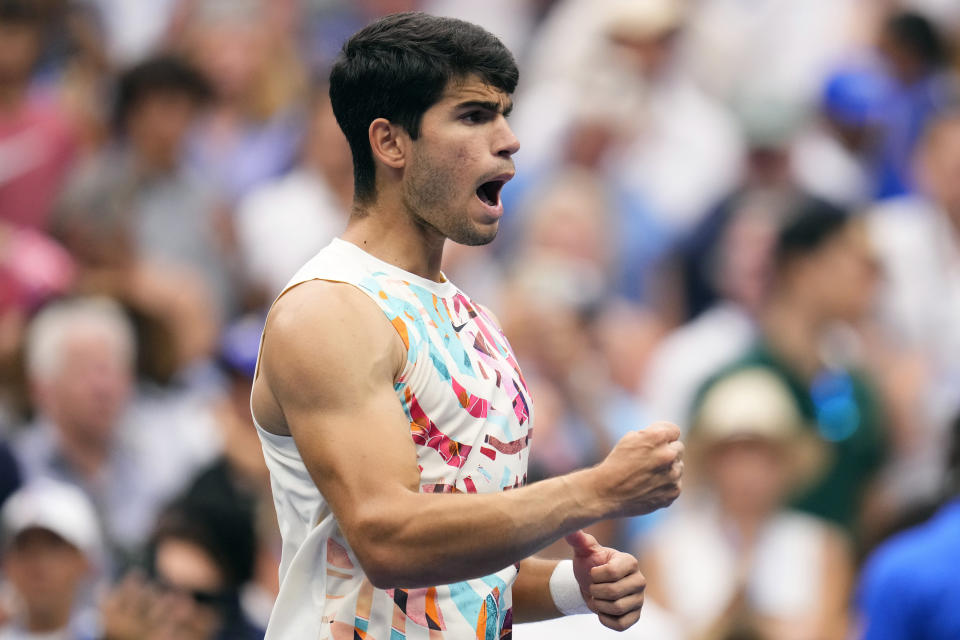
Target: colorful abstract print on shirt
470,418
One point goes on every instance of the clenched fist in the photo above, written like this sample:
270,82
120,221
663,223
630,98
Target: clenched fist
642,473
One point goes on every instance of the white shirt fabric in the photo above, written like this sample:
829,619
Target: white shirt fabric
700,558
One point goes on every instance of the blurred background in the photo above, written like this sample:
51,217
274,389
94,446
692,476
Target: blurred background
742,216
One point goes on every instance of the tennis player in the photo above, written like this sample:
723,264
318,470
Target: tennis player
394,418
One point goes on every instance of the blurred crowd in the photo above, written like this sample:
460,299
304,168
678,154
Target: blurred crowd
742,216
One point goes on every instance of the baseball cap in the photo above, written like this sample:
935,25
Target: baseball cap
53,506
853,96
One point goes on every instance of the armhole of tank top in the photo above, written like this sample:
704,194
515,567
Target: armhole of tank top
404,373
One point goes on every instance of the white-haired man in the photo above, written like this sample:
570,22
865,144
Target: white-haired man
130,454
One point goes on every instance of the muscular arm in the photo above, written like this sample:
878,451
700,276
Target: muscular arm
328,367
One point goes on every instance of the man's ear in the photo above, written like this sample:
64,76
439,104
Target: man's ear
389,143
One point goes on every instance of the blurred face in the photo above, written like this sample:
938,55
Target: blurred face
157,127
326,150
902,64
231,53
46,571
649,55
749,475
191,582
843,275
745,255
460,162
88,393
19,47
940,166
572,222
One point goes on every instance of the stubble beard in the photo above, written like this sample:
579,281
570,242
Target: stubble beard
430,196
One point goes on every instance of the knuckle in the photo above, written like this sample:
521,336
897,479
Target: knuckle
665,457
620,608
605,591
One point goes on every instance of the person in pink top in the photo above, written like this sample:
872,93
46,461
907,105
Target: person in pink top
37,145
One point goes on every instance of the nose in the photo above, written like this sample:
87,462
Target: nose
507,143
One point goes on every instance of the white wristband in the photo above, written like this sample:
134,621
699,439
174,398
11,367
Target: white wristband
565,590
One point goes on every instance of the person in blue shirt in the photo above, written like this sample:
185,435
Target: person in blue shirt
910,586
920,86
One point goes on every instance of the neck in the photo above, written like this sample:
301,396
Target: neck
392,234
746,523
86,456
54,617
153,159
792,330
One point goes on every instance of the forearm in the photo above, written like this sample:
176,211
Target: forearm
415,540
532,600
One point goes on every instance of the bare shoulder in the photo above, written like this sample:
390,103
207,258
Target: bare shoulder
321,332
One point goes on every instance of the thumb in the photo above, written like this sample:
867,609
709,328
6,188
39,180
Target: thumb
583,543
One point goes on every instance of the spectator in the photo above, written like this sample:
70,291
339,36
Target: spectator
36,143
51,545
918,354
832,158
916,58
824,275
129,455
238,481
199,557
917,569
283,223
136,202
734,561
766,189
732,277
253,130
682,149
33,269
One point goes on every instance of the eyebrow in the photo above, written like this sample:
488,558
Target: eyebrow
488,105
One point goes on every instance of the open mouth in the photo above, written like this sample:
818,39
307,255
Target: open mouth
489,192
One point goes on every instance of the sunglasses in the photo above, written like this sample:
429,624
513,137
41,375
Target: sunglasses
215,599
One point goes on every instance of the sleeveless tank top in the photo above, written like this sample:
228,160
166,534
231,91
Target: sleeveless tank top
470,419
